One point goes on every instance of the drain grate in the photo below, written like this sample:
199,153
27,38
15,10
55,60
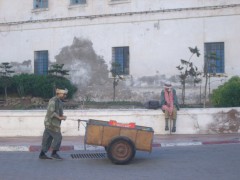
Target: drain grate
89,156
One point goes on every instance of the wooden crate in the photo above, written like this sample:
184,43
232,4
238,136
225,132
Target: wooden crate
100,133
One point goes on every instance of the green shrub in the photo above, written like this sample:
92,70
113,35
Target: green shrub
40,86
23,84
228,94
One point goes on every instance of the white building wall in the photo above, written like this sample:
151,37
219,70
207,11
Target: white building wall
158,32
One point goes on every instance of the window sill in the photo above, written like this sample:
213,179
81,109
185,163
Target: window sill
39,10
73,6
118,2
218,75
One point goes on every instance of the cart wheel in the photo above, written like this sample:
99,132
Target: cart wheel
121,150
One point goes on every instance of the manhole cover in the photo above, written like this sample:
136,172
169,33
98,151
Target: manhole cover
89,156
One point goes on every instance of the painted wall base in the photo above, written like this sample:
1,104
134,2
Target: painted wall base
189,121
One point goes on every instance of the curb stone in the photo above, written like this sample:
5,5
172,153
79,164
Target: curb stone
14,148
35,148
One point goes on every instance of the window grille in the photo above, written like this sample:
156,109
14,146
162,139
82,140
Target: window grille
41,62
214,64
73,2
121,60
40,4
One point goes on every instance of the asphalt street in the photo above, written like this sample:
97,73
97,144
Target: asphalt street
211,162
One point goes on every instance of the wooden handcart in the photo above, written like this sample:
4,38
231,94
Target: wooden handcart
120,141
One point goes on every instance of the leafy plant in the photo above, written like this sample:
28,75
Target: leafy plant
40,86
187,69
115,71
57,69
5,76
209,70
228,94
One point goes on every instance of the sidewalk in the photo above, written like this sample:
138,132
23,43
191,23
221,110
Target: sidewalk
33,144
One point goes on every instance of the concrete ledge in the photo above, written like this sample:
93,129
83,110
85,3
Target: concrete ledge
190,121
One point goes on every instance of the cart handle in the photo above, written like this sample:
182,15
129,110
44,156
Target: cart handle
79,120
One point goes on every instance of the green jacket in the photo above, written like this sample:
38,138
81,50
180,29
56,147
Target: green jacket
175,100
55,107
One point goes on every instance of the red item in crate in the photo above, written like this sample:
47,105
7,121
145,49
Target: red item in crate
132,125
115,123
112,122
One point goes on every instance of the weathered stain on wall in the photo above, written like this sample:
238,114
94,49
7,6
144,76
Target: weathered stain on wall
24,67
226,122
89,72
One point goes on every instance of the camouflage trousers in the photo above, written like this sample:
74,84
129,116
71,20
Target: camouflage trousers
173,116
51,139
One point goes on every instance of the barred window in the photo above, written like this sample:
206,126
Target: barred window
214,64
40,4
73,2
41,62
120,56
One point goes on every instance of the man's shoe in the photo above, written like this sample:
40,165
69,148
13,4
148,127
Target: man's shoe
166,128
44,156
174,129
56,157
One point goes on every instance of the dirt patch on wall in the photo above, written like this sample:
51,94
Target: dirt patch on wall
89,72
226,122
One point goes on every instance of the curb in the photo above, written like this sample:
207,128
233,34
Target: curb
221,142
35,148
199,143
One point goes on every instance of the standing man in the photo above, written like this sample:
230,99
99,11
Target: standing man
169,105
52,134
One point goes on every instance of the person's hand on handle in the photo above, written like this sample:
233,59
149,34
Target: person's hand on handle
63,118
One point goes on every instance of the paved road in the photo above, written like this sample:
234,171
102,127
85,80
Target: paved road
211,162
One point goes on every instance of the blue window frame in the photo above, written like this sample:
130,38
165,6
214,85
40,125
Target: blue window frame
41,62
73,2
37,4
214,65
121,58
